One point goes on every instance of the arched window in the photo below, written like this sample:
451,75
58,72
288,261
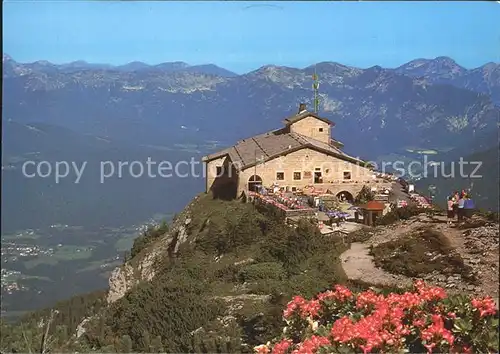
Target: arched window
253,182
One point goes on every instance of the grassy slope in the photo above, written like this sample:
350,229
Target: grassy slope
198,287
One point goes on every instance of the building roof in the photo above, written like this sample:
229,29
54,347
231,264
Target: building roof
337,143
261,148
304,114
373,205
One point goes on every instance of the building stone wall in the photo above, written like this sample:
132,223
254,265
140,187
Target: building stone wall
222,184
307,161
312,127
211,170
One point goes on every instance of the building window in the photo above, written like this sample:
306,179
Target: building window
280,176
294,189
321,129
318,178
219,171
347,175
297,176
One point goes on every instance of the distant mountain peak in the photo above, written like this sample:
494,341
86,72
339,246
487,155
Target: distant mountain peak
447,61
328,66
78,62
6,57
211,69
441,67
270,68
134,65
490,66
174,65
376,68
43,62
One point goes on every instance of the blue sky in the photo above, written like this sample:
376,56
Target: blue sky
242,36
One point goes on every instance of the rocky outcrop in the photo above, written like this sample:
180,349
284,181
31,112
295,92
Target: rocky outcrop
482,239
82,327
143,266
121,280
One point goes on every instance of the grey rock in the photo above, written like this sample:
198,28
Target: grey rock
441,277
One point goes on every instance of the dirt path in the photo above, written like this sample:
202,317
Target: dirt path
358,263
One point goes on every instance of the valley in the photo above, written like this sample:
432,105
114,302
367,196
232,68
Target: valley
43,266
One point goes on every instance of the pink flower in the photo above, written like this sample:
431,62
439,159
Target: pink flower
485,306
262,349
282,346
380,323
311,345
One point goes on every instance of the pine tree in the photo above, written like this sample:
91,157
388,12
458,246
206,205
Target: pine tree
197,344
145,345
125,344
157,345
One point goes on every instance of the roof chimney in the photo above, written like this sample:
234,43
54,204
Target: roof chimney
302,108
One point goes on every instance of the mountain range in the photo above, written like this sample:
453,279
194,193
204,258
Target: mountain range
442,70
13,68
417,104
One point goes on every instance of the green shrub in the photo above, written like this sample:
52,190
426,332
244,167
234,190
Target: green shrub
361,235
268,287
233,230
266,270
171,307
364,196
148,236
419,254
228,273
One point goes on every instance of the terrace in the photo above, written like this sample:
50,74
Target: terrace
289,204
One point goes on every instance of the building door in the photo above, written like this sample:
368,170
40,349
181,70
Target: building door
318,178
345,196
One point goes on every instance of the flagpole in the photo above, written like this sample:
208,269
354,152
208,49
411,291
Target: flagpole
315,86
255,168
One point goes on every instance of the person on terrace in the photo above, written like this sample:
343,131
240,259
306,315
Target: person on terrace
468,206
451,212
460,215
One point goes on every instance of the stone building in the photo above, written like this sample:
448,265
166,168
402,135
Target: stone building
300,154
